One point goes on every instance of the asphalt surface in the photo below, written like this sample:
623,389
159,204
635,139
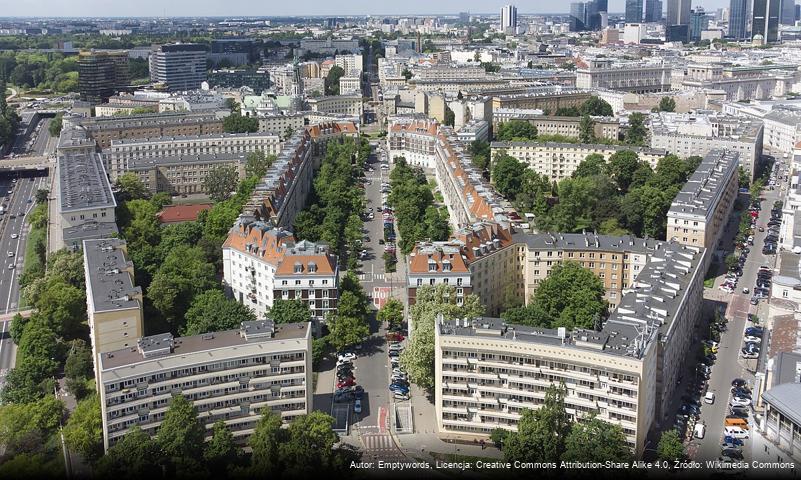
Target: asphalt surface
16,204
729,365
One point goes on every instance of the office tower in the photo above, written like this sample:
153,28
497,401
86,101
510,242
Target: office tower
464,17
577,16
699,21
738,19
797,9
787,16
181,66
101,74
678,12
633,11
596,14
508,18
765,19
653,10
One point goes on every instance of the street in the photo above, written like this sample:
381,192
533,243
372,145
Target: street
729,365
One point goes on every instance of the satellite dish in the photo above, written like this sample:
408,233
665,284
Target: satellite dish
796,249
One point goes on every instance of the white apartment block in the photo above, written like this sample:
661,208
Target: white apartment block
559,160
351,64
698,134
123,153
782,130
350,85
414,140
262,263
487,372
351,105
281,123
233,376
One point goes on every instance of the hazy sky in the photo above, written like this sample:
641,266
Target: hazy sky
76,8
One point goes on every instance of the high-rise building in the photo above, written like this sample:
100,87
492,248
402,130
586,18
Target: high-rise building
797,12
765,19
577,17
101,74
787,16
699,21
738,19
181,66
464,17
678,12
508,18
653,10
633,11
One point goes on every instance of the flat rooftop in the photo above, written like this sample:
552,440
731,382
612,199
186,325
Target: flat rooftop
151,162
702,191
83,181
90,230
589,241
192,138
108,277
182,346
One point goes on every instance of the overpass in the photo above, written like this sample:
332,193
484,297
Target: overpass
37,164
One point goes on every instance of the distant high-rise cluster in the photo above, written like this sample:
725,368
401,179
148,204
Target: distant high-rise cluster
588,15
653,10
508,18
633,11
677,22
181,66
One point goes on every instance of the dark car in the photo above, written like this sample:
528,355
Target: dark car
735,453
732,441
753,331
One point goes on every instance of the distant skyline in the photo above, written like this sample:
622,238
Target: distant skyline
230,8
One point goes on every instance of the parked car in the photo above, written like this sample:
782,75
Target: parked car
709,398
752,339
400,396
357,406
740,402
347,356
348,382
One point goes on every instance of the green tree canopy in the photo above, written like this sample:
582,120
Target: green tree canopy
212,311
596,106
236,123
507,175
636,133
133,457
84,430
221,453
26,427
220,182
621,168
289,311
541,433
332,80
516,131
257,163
391,312
593,164
670,447
130,187
594,440
667,104
181,433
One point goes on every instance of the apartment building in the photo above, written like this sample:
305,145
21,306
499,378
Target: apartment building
350,63
699,213
546,101
779,428
350,85
603,127
233,376
700,133
559,160
101,73
183,174
488,372
782,130
351,105
281,123
262,263
113,302
630,77
330,46
120,155
413,140
85,196
175,124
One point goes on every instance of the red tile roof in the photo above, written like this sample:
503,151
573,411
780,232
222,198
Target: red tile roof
181,213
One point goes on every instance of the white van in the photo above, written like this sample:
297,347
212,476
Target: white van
735,432
700,430
709,397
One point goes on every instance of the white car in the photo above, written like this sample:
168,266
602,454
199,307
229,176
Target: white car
740,402
709,398
14,235
749,355
347,356
398,371
11,266
10,254
752,339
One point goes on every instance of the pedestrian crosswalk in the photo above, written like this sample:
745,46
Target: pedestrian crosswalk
380,446
371,277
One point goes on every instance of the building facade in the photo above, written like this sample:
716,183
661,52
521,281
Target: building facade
638,78
101,74
233,376
180,66
174,124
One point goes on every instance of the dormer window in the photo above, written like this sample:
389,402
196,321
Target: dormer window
312,267
446,266
432,266
298,267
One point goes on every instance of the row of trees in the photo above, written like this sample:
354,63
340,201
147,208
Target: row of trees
593,106
430,301
622,195
336,202
9,120
54,71
411,198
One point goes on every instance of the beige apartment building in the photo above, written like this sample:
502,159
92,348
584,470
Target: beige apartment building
548,102
122,153
603,127
233,376
114,304
488,372
185,174
177,124
559,160
700,212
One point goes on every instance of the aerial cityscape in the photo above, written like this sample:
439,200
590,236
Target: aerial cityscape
380,239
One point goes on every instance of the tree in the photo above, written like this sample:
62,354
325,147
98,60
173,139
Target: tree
667,104
593,164
516,131
135,456
236,123
55,125
507,175
586,129
744,177
212,311
391,312
670,447
38,341
257,164
17,328
62,307
220,182
636,132
78,368
309,447
594,440
26,427
621,168
345,331
480,154
498,436
84,429
289,311
571,296
181,433
130,187
450,117
265,443
332,80
596,107
541,433
41,195
29,381
221,451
